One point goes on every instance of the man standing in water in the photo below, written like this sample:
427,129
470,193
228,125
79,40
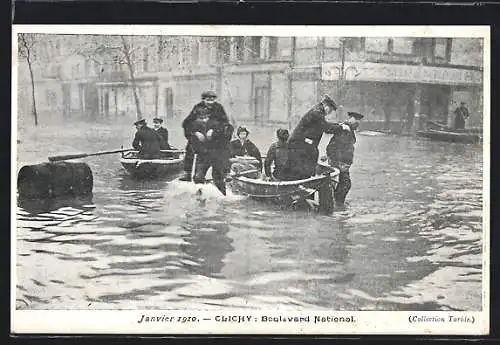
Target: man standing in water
146,141
207,108
303,143
340,152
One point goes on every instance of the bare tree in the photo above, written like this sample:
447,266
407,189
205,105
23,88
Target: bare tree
26,46
119,50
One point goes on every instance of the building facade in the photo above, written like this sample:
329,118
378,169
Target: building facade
274,80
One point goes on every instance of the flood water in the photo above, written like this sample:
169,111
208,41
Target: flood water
410,239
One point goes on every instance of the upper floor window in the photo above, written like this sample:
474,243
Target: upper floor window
273,47
354,44
401,45
440,48
306,42
376,44
255,46
332,42
284,46
145,59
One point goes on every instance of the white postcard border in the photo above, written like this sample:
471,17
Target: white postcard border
366,322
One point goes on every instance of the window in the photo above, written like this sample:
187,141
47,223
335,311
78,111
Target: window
376,44
264,48
273,47
354,44
255,47
306,42
332,42
390,45
195,52
224,47
284,46
145,59
440,48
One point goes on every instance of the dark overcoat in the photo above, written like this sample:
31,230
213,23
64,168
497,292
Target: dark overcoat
147,141
303,144
163,133
341,146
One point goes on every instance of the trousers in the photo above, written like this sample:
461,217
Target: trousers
218,162
345,183
189,158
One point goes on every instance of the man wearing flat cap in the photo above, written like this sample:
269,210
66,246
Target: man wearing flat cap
303,143
340,153
162,132
207,109
146,141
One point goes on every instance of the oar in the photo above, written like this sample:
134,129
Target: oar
83,155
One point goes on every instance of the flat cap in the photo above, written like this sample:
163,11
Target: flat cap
157,120
140,122
357,116
330,102
208,94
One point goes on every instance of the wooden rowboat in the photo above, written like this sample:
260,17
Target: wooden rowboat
318,187
451,136
170,164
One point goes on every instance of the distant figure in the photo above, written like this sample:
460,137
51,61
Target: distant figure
244,147
146,141
340,152
277,154
207,107
461,113
410,115
162,132
303,143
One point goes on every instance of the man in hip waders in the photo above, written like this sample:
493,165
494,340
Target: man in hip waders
207,109
303,143
340,152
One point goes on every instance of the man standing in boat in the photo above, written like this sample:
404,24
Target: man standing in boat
146,141
208,108
162,132
461,113
340,152
303,143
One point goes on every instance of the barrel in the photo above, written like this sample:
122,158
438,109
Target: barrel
49,180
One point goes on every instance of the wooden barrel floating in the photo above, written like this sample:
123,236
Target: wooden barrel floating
48,180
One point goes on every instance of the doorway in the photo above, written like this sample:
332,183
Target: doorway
261,112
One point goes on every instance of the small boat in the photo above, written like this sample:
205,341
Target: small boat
448,135
171,163
318,187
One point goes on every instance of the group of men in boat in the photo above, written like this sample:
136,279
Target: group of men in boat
208,132
150,141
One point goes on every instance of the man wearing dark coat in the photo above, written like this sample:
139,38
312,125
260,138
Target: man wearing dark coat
277,154
303,143
461,113
146,141
211,144
208,107
340,153
244,147
162,132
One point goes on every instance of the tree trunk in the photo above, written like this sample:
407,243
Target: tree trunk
35,115
126,52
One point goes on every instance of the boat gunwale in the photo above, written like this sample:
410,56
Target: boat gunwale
249,180
152,161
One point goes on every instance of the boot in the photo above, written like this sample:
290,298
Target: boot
186,177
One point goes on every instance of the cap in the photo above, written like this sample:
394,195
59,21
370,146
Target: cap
330,102
208,94
357,116
157,120
140,122
242,129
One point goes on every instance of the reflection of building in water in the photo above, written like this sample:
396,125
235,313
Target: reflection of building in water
208,243
263,79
